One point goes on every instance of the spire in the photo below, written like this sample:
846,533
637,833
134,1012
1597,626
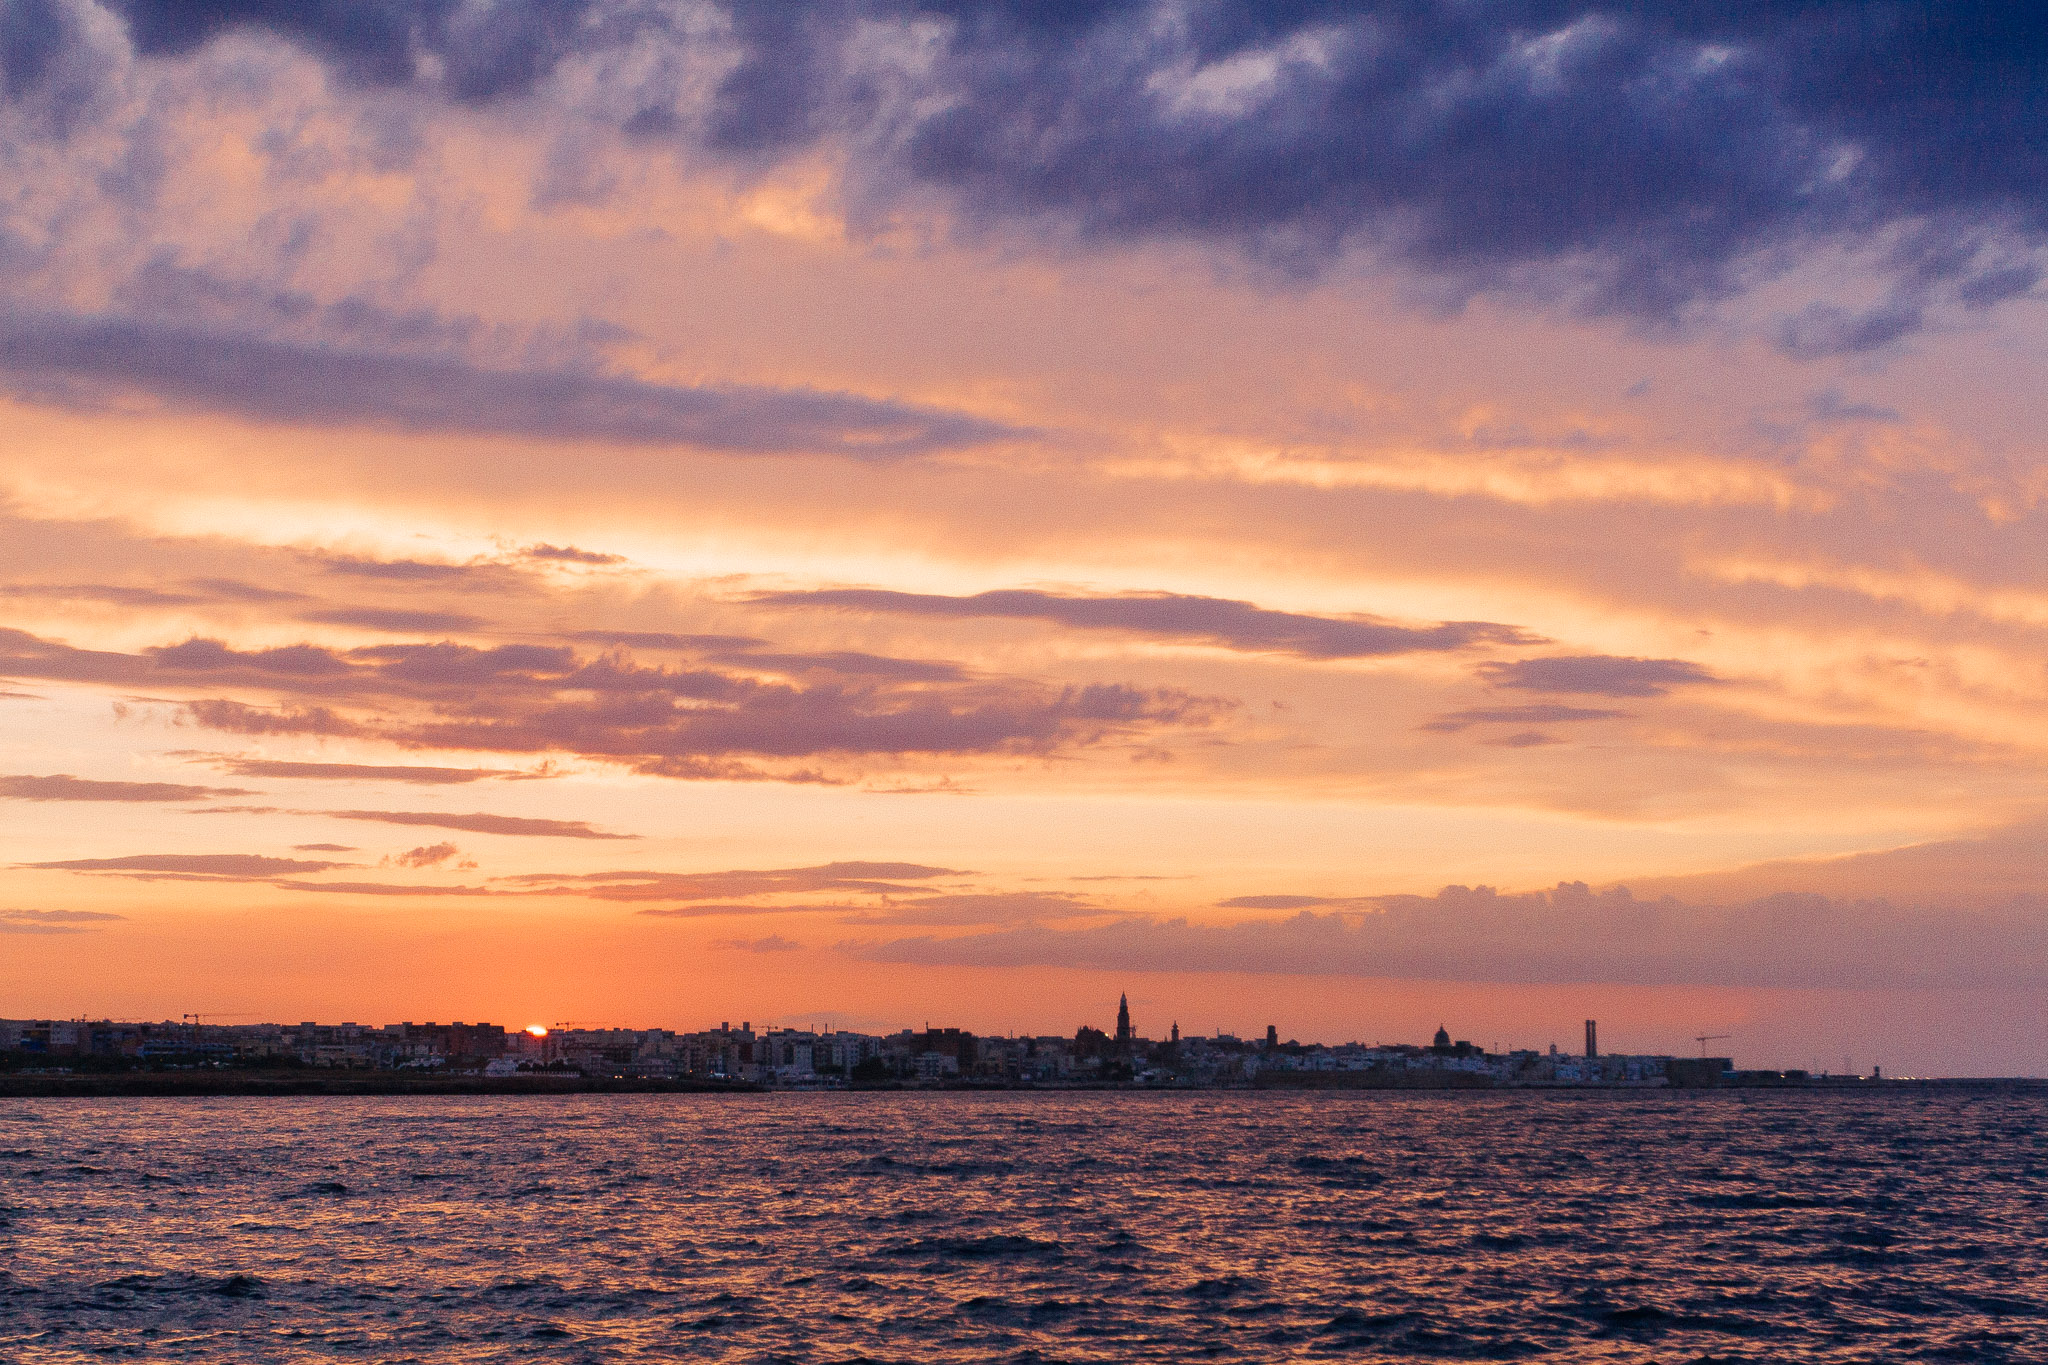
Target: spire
1123,1020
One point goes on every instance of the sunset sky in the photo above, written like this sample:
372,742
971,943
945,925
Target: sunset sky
1346,516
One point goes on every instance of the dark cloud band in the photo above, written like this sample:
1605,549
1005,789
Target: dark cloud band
1566,935
1637,158
88,358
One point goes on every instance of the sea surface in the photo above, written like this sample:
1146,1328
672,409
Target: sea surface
1028,1227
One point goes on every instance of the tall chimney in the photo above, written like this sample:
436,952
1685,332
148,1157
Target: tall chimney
1592,1046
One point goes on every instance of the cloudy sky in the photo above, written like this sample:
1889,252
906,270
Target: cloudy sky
1349,516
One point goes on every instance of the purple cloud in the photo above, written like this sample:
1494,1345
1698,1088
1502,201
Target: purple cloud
862,878
214,658
1523,739
773,943
363,772
1282,902
407,570
978,908
100,357
239,718
430,855
1217,621
397,622
1543,713
726,911
1600,675
569,554
845,662
112,593
685,722
64,787
661,639
54,921
480,823
651,730
231,866
379,888
233,590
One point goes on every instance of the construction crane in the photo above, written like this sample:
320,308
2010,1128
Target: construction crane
1704,1038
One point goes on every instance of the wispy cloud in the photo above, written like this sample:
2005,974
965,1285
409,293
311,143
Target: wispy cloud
715,910
1213,621
396,621
480,822
474,574
429,855
362,772
111,593
55,921
225,865
773,943
661,639
278,380
1597,675
569,554
861,878
379,888
1543,713
195,592
902,905
980,907
64,787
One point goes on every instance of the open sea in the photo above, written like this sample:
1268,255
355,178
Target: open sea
1789,1226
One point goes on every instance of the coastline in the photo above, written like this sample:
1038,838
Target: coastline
299,1085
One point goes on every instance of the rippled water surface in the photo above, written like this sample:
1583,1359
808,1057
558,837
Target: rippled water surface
1084,1227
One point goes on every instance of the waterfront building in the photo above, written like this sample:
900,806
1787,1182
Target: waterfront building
806,1058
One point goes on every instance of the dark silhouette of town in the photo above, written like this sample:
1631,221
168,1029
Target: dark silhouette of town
192,1051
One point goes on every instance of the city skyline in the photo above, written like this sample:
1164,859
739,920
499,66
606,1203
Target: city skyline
1122,1038
563,511
195,1054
